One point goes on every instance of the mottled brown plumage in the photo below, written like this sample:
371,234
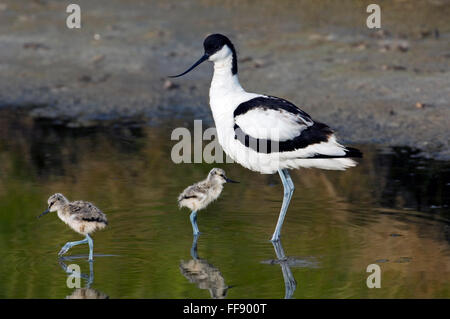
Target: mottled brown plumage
201,194
83,217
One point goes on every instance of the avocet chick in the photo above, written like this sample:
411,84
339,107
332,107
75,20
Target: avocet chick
83,217
201,194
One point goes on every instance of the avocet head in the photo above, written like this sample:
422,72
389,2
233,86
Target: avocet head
218,175
218,48
55,202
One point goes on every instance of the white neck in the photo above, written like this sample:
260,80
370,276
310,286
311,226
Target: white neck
225,94
223,81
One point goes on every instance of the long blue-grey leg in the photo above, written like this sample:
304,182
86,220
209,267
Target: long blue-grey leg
289,180
193,218
91,275
91,247
289,281
288,190
194,253
70,244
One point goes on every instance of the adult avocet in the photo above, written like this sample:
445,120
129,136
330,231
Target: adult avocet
266,133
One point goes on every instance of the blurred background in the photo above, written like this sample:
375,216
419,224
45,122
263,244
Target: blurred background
388,86
88,112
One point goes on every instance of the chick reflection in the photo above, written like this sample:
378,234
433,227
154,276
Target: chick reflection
205,275
86,292
286,263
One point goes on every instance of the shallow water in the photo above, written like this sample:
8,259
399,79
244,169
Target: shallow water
391,210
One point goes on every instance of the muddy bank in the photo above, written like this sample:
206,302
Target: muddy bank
390,87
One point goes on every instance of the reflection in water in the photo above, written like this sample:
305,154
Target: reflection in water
289,280
286,263
202,273
87,292
392,209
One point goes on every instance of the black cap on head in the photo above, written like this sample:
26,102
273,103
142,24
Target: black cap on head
212,44
215,42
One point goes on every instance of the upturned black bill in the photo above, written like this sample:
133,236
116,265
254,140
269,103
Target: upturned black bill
201,60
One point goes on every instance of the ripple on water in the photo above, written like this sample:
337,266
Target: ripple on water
337,223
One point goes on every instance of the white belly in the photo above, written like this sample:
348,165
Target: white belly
247,157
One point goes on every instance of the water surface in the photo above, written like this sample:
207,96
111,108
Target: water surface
391,210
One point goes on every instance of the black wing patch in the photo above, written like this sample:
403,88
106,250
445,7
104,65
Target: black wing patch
349,152
272,103
187,197
95,219
314,134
